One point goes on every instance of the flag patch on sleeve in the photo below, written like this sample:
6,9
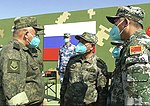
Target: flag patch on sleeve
136,50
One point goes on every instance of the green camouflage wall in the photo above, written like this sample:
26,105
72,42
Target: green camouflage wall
102,28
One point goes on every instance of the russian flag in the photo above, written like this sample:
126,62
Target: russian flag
53,38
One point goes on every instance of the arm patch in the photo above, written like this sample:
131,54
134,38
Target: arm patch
136,50
13,66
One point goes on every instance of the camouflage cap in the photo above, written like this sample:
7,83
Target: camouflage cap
23,22
66,34
134,13
88,37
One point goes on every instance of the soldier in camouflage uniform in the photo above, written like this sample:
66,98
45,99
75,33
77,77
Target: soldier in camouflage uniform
113,76
65,52
84,81
116,51
37,55
21,79
132,83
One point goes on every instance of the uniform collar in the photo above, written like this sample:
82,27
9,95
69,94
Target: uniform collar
89,60
135,35
34,51
18,45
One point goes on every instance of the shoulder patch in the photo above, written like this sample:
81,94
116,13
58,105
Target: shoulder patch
136,49
13,66
16,46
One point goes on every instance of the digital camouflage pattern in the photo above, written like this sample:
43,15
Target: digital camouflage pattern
20,73
88,37
37,54
116,81
134,13
23,22
134,69
116,89
83,82
65,52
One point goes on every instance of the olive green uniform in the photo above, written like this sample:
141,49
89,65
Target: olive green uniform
83,82
21,80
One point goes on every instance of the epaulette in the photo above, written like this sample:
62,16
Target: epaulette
16,46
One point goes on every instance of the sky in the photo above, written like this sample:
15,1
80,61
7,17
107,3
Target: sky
16,8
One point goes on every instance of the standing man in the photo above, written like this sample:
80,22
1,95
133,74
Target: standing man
115,80
84,80
133,69
65,52
117,49
21,79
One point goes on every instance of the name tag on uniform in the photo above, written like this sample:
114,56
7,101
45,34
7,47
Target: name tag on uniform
136,50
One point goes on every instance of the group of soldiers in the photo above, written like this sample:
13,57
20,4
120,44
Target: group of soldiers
86,76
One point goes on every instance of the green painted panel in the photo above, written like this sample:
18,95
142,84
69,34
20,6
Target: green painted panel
76,16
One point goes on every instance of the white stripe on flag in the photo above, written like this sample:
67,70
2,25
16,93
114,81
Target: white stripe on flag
73,28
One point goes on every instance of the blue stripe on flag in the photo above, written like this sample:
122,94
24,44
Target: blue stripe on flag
57,41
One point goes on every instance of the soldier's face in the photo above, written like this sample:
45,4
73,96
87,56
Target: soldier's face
88,45
31,32
122,24
119,23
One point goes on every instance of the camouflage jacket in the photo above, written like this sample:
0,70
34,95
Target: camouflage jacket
37,55
65,53
22,81
83,81
134,70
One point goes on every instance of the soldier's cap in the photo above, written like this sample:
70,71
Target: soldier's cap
89,37
117,42
23,22
67,35
134,13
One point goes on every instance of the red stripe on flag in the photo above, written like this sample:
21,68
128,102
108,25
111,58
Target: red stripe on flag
50,53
